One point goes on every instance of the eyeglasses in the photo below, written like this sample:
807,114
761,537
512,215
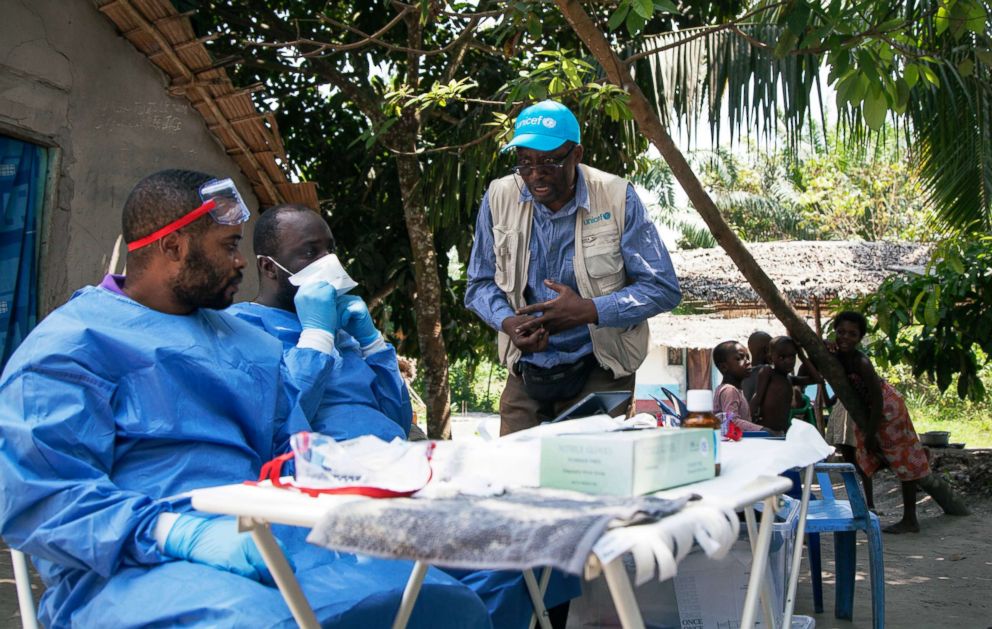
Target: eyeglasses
220,199
549,166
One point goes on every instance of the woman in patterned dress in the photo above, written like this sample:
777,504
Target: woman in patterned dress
888,439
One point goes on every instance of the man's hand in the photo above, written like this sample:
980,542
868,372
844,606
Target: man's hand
354,318
527,341
216,542
566,311
316,307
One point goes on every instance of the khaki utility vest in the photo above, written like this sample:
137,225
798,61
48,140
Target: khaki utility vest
598,262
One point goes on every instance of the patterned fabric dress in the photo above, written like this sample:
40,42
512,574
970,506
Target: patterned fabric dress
902,451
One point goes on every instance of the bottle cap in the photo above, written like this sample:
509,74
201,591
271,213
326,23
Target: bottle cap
699,400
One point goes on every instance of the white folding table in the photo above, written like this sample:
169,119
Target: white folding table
256,507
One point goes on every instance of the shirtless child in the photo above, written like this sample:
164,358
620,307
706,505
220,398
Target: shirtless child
777,393
757,344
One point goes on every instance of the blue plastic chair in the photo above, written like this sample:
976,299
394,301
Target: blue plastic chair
844,518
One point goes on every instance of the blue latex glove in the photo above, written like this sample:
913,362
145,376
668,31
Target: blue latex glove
216,542
355,319
316,306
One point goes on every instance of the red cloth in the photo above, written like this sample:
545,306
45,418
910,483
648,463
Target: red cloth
902,451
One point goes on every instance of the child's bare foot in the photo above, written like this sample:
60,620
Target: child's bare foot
903,526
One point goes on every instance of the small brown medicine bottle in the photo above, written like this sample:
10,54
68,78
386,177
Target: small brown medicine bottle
699,403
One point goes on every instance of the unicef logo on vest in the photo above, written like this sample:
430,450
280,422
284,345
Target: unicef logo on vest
605,216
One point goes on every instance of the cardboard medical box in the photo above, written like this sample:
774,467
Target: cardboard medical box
627,462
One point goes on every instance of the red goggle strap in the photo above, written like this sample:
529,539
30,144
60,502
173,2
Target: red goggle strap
272,471
179,223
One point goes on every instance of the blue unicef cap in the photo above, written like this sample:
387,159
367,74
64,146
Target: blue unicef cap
544,127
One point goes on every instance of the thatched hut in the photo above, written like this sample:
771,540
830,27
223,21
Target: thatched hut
808,273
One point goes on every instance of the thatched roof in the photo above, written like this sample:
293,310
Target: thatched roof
801,269
706,331
251,138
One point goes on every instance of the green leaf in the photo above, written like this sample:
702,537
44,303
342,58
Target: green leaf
874,110
976,18
797,18
916,306
902,96
929,75
644,8
930,316
666,6
618,16
954,261
860,89
786,43
533,25
635,22
966,67
942,19
985,56
912,75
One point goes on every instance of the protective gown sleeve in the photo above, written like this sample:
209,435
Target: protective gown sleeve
389,388
57,447
304,374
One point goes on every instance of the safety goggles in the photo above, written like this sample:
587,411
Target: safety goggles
221,200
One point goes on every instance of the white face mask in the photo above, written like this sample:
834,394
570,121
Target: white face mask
327,268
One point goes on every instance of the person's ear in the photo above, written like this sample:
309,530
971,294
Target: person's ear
267,268
578,152
174,246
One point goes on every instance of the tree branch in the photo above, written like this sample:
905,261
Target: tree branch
651,126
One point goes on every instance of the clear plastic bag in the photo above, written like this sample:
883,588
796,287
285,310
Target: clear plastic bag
365,466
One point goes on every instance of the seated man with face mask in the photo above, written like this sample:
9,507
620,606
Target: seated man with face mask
141,389
365,394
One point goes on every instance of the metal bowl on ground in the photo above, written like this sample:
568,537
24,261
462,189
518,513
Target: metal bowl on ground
936,438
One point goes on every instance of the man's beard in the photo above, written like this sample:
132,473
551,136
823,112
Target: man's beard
285,295
201,285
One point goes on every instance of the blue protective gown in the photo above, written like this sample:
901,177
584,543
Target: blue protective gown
363,396
368,396
107,409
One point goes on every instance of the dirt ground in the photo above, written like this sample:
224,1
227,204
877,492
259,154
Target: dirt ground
940,577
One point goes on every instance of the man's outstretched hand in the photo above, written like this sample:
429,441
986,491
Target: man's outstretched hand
527,341
564,312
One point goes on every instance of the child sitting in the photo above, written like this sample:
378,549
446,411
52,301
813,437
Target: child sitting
777,393
731,358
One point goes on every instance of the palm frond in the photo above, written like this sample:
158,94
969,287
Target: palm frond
697,78
954,146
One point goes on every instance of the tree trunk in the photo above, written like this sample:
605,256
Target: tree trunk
427,304
652,127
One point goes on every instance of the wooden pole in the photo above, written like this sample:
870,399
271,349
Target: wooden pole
821,389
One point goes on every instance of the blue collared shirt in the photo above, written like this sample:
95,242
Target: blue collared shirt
653,286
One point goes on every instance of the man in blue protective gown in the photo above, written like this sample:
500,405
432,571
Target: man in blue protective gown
140,389
365,393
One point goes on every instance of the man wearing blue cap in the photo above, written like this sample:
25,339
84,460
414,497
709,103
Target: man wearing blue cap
568,269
